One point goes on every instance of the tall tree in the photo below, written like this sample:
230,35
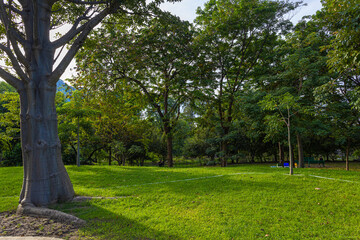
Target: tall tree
35,69
155,57
237,35
303,69
285,106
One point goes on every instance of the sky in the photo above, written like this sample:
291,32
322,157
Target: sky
186,10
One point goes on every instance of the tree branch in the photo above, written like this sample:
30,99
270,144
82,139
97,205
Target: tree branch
14,9
14,62
10,79
144,89
73,31
13,35
78,44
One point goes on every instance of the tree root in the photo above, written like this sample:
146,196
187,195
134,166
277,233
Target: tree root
30,210
50,214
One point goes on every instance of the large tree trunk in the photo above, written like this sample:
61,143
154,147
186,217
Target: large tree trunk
300,151
33,55
45,178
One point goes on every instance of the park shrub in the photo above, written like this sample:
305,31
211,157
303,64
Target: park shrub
12,157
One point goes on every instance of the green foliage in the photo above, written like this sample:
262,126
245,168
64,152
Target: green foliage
4,87
341,18
10,128
237,38
284,107
12,157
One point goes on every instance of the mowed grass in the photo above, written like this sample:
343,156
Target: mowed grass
237,202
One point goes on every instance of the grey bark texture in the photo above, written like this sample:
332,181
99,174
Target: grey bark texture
32,55
45,178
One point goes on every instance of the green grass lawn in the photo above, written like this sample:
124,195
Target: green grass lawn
240,202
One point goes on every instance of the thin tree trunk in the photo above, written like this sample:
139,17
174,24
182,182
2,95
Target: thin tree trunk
78,143
300,151
169,147
45,178
110,157
169,144
89,158
275,157
224,157
224,147
123,160
281,154
347,157
290,150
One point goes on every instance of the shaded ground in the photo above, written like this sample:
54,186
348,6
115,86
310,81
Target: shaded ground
14,225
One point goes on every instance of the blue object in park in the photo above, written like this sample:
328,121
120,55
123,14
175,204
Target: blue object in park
286,164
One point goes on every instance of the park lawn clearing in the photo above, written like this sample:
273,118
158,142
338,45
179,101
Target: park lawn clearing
240,202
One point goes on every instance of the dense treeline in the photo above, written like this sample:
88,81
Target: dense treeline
241,84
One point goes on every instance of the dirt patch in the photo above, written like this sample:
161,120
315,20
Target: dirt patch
15,225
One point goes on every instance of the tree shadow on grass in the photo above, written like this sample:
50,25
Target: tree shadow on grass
104,224
132,181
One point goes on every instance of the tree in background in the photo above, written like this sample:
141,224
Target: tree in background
155,57
286,106
237,35
340,95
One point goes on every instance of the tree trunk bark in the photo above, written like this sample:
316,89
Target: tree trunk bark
281,154
223,146
110,157
169,143
45,178
223,158
169,147
300,151
275,157
78,143
290,151
347,157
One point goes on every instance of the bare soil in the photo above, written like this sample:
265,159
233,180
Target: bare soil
12,224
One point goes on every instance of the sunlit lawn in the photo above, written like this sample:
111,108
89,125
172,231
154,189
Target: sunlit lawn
240,202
